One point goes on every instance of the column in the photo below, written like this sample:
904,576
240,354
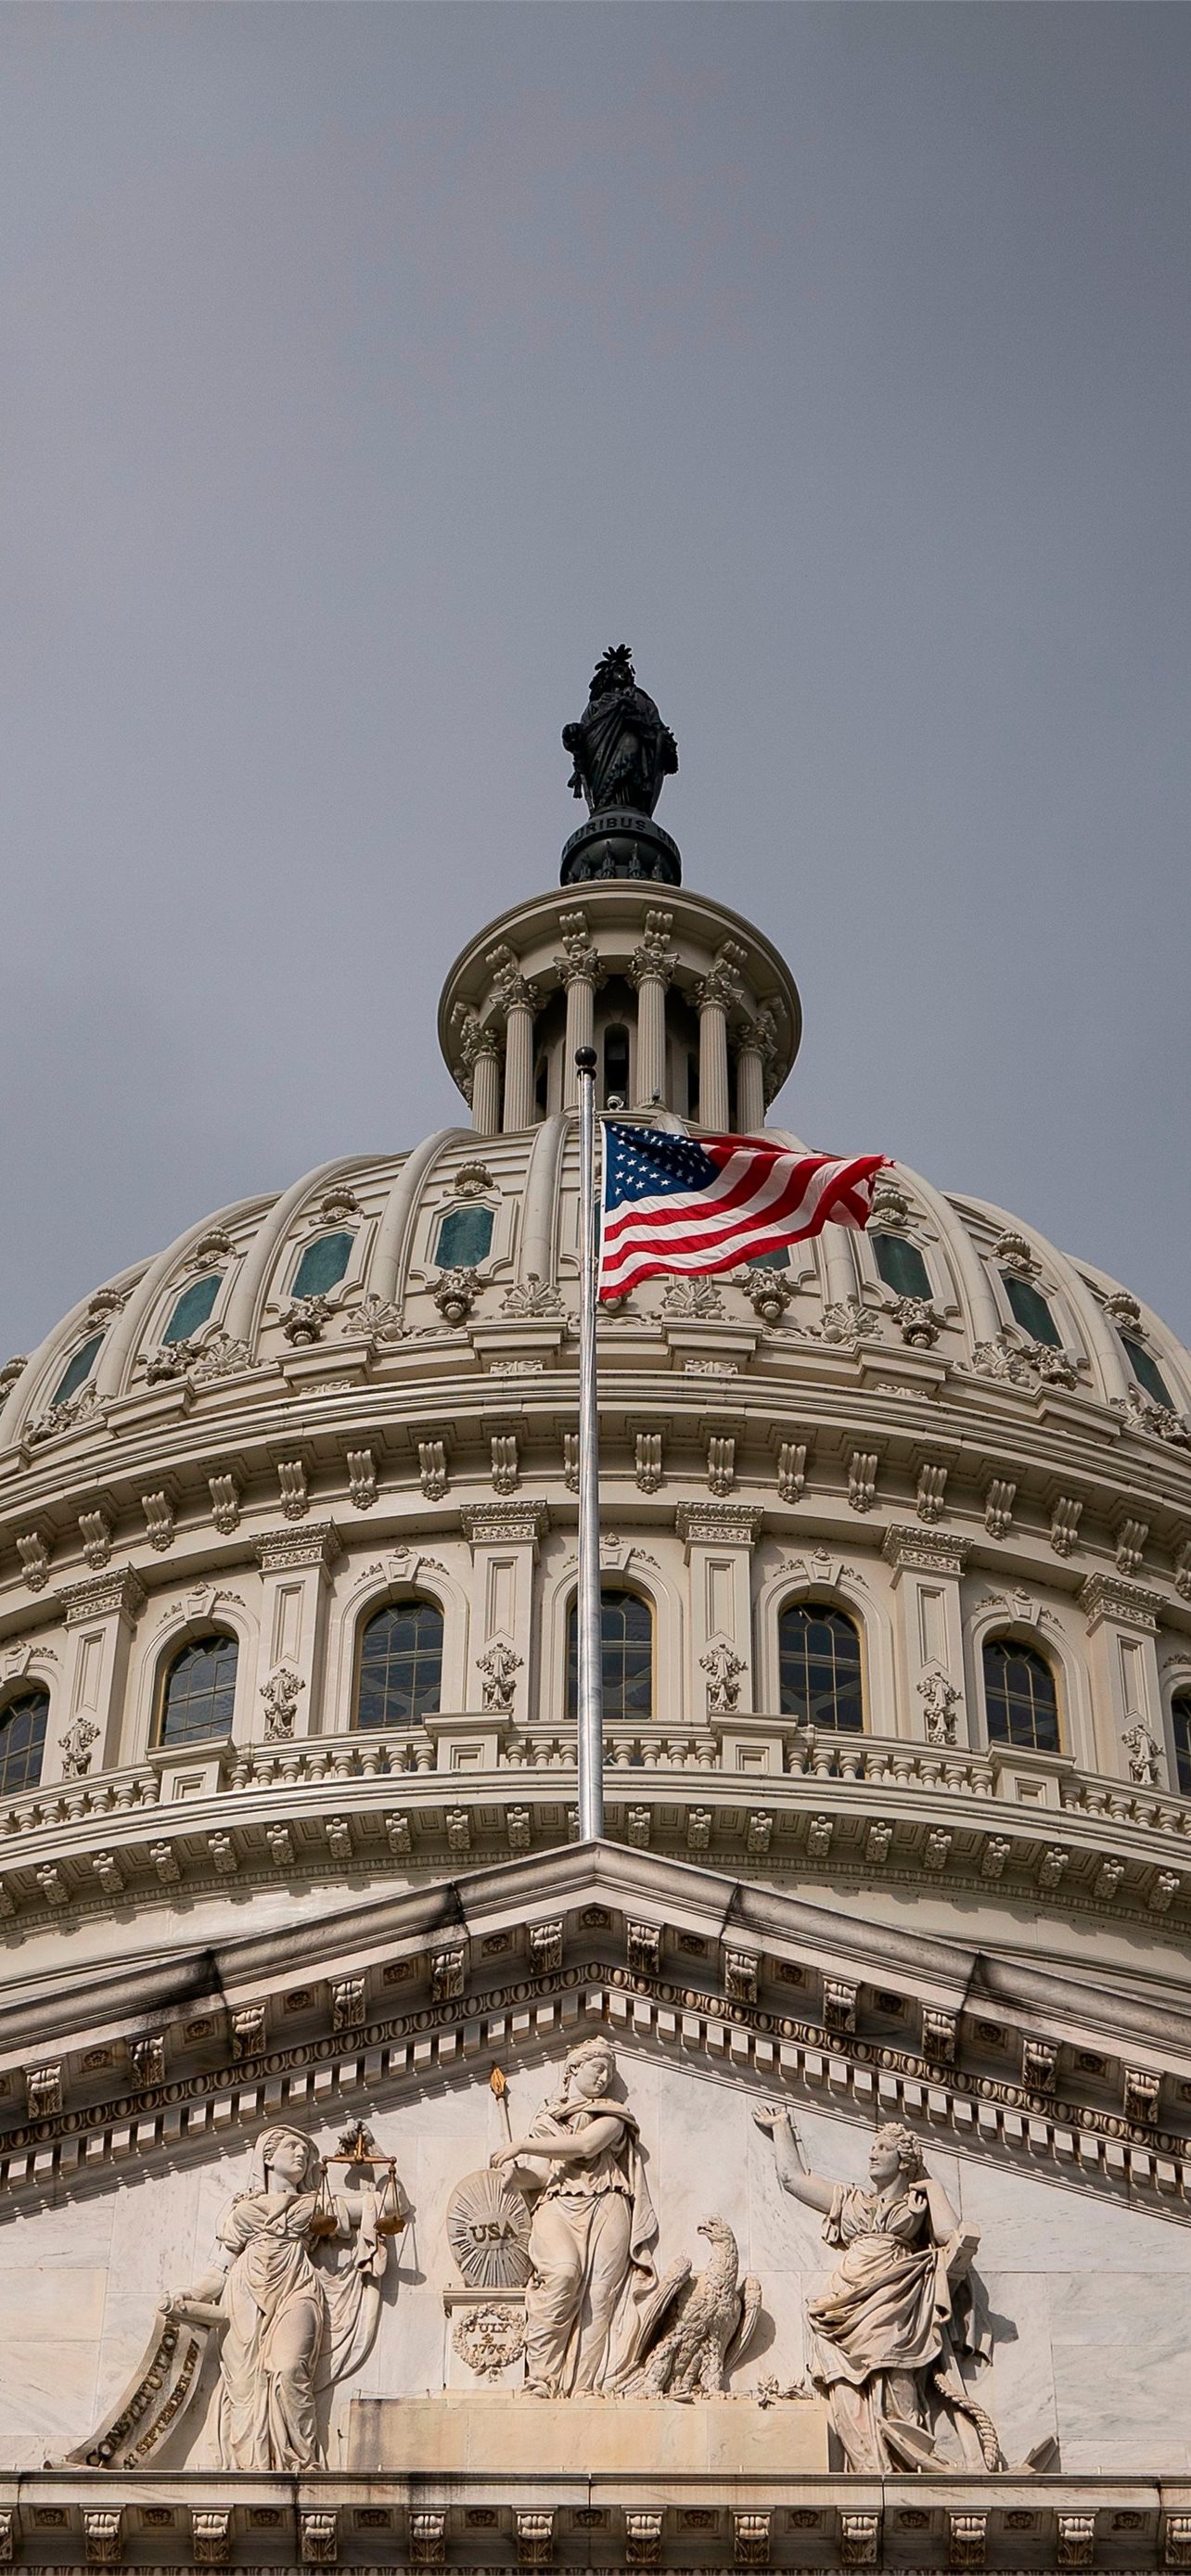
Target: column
579,971
719,991
750,1085
519,1000
1126,1694
651,967
485,1098
927,1569
296,1565
100,1618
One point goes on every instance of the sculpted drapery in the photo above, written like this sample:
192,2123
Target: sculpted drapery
591,2241
291,2328
621,749
897,2313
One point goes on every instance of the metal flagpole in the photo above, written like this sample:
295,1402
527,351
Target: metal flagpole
591,1660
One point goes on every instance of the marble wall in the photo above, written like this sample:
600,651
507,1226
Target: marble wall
1089,2295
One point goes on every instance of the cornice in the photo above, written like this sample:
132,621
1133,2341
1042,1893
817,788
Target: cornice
677,1957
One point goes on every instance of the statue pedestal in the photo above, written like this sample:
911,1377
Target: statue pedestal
492,2435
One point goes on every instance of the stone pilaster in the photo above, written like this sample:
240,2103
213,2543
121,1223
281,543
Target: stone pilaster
100,1619
719,1539
296,1565
503,1538
927,1568
1122,1622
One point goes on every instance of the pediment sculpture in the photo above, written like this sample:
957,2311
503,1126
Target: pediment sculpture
898,2317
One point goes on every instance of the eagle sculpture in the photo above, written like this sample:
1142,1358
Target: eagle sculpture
696,2327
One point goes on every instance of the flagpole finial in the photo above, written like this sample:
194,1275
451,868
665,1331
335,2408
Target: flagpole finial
585,1059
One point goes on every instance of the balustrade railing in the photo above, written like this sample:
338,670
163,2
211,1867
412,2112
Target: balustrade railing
795,1753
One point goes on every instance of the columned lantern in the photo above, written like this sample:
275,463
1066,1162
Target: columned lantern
797,2176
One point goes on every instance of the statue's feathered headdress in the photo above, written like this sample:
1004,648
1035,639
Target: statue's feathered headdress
614,670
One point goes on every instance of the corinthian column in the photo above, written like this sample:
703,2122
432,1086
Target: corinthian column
477,1069
651,966
719,991
750,1084
485,1097
579,969
519,1000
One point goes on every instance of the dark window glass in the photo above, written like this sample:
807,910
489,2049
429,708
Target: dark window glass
616,1061
200,1691
819,1667
901,1265
22,1739
77,1371
1029,1309
464,1238
1147,1372
400,1665
1019,1697
193,1307
779,1260
322,1265
692,1088
1180,1719
626,1637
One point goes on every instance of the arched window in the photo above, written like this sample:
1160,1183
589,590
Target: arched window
1147,1372
322,1265
626,1639
1180,1719
819,1667
1029,1308
1020,1703
77,1371
194,1307
464,1238
22,1738
400,1665
901,1265
199,1691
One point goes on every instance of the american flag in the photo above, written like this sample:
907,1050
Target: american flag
672,1202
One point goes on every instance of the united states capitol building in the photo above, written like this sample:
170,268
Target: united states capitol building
797,2178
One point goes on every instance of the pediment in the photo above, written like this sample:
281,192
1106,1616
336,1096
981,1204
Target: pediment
1030,2059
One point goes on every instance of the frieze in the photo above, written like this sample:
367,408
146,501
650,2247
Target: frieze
985,2110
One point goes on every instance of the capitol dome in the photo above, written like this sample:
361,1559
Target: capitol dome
896,1555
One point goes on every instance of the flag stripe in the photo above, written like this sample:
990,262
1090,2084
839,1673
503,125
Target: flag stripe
712,1203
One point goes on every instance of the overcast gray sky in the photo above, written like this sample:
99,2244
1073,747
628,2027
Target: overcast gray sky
367,369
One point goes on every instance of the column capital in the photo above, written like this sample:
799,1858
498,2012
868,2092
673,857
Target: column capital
513,990
580,960
504,1524
924,1551
719,1524
1105,1596
721,987
281,1551
120,1590
651,958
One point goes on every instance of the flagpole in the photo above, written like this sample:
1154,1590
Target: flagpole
591,1660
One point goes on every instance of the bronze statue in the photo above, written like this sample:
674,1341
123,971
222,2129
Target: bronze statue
621,749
